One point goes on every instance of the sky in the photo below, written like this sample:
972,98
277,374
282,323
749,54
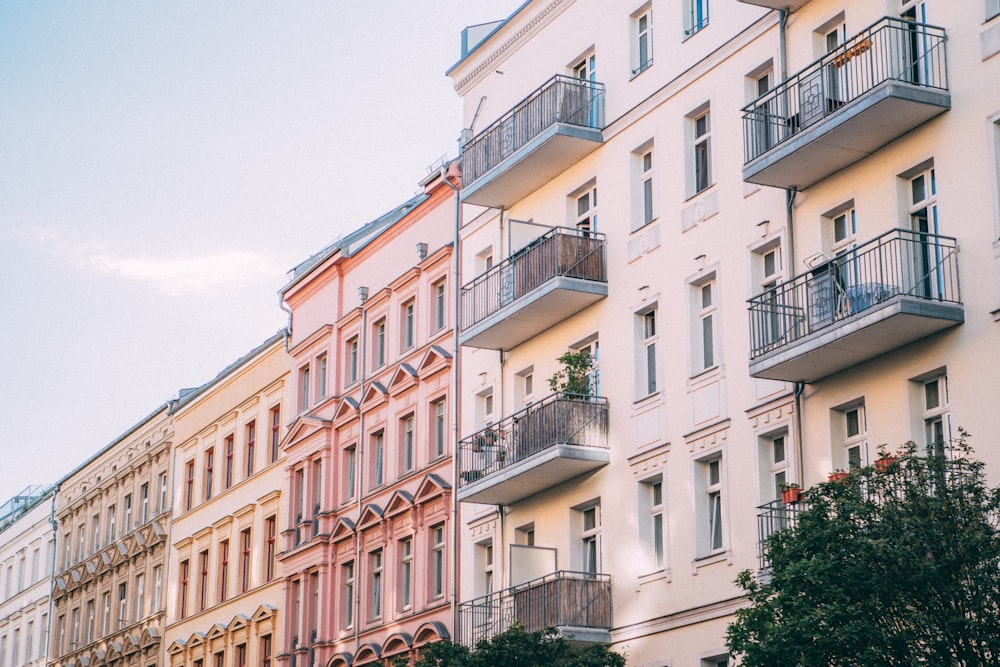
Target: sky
163,165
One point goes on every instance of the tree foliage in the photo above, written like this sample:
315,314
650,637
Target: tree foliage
516,648
574,376
894,565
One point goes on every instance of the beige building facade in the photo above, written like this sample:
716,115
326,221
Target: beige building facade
774,233
225,586
112,517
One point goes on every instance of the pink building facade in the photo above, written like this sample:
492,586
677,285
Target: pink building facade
367,555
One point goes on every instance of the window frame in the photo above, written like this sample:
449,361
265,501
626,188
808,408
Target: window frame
642,40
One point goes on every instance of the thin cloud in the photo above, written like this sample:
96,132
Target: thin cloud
189,274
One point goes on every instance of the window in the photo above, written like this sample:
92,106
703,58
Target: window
350,467
250,444
484,568
241,655
128,511
60,637
352,360
771,320
706,324
275,432
437,560
524,386
642,40
439,426
646,354
347,576
409,325
695,16
992,9
106,613
230,462
709,485
265,651
122,602
220,659
245,560
849,430
406,441
317,489
304,388
189,486
937,430
699,127
321,367
845,227
94,546
643,209
378,344
775,462
375,565
406,573
203,580
270,529
585,209
928,277
140,596
157,588
111,524
209,469
590,518
182,598
29,641
440,305
651,520
163,491
223,570
90,626
378,458
144,503
716,661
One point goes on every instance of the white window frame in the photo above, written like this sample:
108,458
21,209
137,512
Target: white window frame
936,421
584,208
590,538
652,522
376,562
406,573
699,152
695,16
776,464
992,9
705,311
642,40
646,361
710,505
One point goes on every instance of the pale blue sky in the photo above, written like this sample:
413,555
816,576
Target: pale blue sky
162,164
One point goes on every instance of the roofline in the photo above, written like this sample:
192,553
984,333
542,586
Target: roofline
487,37
180,403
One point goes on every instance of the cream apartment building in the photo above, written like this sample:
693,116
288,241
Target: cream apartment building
26,550
224,595
112,518
772,225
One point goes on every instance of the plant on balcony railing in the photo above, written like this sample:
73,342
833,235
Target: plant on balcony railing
891,49
561,251
556,419
563,598
576,374
898,263
561,99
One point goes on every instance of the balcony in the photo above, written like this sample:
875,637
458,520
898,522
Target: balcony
547,132
550,442
790,5
893,290
555,276
876,87
576,604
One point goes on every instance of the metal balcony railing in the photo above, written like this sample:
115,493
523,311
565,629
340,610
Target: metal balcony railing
900,262
891,49
560,599
561,99
570,419
561,251
772,517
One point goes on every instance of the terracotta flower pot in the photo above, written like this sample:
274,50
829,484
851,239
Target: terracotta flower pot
837,476
791,496
884,463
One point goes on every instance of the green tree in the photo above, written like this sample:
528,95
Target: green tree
516,648
894,565
574,376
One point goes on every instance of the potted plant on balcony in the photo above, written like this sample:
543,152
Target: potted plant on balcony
885,459
575,375
791,493
484,440
837,475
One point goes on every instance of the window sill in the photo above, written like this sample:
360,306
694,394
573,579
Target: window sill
691,32
638,71
724,556
658,575
700,193
647,398
645,225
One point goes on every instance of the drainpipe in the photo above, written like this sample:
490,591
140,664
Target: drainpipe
52,565
456,382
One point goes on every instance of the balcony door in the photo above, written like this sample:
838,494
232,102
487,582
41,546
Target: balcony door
915,63
586,112
928,279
